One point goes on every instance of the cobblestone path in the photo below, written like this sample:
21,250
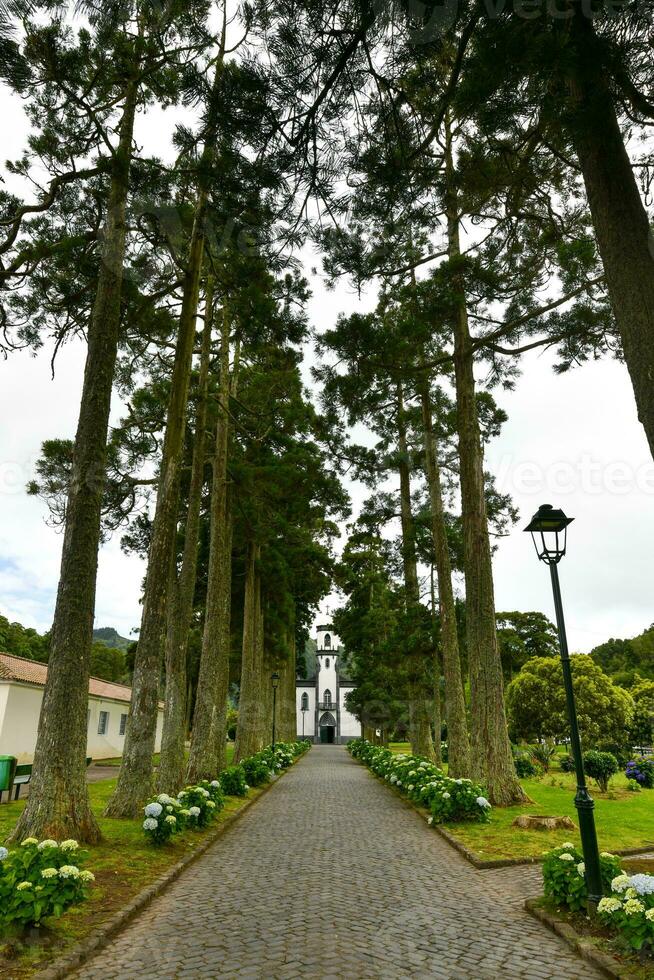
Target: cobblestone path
330,875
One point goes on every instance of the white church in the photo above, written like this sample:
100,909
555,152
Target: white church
320,700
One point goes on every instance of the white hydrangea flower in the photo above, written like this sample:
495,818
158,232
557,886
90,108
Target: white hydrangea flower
86,876
215,783
609,905
568,845
581,869
49,873
165,799
194,811
246,786
29,841
69,845
69,871
605,854
150,823
4,853
211,804
410,787
446,796
632,906
642,884
482,802
170,819
649,914
566,857
620,883
47,843
459,782
153,810
204,792
22,886
185,813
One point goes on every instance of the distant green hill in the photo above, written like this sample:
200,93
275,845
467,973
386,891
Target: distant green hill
111,638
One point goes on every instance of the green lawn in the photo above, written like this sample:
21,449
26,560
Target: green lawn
124,863
625,820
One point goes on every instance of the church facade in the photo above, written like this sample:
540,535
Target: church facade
320,700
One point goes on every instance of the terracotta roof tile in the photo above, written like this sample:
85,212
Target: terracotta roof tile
32,672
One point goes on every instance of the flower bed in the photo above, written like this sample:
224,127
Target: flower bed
196,806
641,771
447,799
627,908
39,880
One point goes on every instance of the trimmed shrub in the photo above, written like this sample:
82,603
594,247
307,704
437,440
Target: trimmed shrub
600,766
525,767
567,764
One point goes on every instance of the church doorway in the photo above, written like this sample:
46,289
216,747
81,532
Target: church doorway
328,729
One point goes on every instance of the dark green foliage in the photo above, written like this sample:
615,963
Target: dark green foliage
600,766
233,781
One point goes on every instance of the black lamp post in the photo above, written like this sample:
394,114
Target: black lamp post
274,678
548,529
304,714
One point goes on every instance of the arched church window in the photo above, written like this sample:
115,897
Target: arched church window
327,698
305,702
328,641
327,663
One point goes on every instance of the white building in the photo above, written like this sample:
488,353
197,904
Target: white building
21,693
320,700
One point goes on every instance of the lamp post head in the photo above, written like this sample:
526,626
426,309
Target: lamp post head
275,679
549,528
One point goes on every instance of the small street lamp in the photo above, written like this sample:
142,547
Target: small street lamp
304,710
548,528
274,678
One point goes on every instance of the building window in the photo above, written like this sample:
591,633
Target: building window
328,641
327,698
305,702
123,724
103,723
327,663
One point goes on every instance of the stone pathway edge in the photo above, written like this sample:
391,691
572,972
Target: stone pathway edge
64,965
469,855
578,943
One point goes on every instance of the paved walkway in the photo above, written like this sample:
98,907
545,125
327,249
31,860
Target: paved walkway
330,875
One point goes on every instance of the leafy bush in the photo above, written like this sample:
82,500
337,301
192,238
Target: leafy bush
39,880
567,764
198,802
564,876
163,817
600,766
257,769
424,783
233,781
543,754
525,766
621,752
641,771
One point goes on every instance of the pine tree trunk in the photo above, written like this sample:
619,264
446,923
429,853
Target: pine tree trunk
250,724
135,776
58,803
458,741
489,730
170,776
286,694
207,756
419,707
620,219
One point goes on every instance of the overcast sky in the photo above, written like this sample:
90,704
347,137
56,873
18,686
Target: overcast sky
573,441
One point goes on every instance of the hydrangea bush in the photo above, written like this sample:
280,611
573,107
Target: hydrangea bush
629,909
641,771
41,879
448,800
564,876
196,806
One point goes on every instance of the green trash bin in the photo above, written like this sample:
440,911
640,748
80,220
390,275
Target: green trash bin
7,769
